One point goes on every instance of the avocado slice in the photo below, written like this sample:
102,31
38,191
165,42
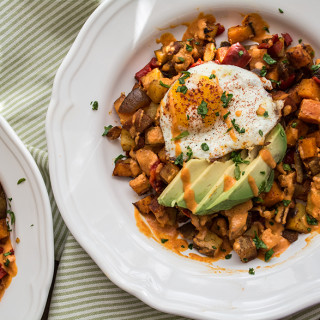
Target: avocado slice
258,169
174,190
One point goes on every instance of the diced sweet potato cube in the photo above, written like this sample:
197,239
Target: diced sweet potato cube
296,220
221,53
127,168
154,136
143,204
146,159
164,215
274,196
239,34
292,135
316,135
3,229
209,52
163,155
168,172
114,133
299,57
140,184
257,54
245,248
270,239
308,89
154,74
209,245
313,207
308,148
310,111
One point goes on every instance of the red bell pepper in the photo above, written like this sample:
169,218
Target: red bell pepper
221,29
316,79
264,45
153,63
196,63
287,38
237,55
2,272
285,84
289,157
277,49
155,183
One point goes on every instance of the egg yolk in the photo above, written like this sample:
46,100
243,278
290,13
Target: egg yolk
195,104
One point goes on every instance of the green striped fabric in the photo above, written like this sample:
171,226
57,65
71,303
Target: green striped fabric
35,35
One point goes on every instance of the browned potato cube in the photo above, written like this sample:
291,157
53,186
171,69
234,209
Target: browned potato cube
127,143
274,196
209,52
308,148
164,215
299,57
315,135
114,133
3,203
151,110
143,204
257,61
310,111
245,248
297,221
140,184
154,136
163,155
168,172
127,168
270,239
209,245
135,100
154,74
308,89
124,117
3,229
146,159
239,34
156,91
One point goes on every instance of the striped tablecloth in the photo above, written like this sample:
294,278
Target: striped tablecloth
35,35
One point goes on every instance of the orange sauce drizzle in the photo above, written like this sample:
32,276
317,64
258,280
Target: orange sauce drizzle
267,158
238,113
166,38
188,196
228,182
253,186
261,111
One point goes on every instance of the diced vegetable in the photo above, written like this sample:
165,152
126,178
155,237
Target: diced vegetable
3,229
154,136
146,69
3,203
308,89
239,34
164,215
146,159
135,100
126,168
310,111
209,245
234,58
140,184
245,248
143,204
127,143
308,148
274,196
299,57
296,220
168,172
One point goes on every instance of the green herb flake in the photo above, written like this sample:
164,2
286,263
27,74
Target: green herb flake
262,172
119,157
9,253
21,180
226,99
280,10
182,246
7,263
107,129
214,247
245,259
164,85
12,216
236,158
229,129
237,172
183,134
189,153
263,71
228,256
266,114
285,61
94,105
190,39
203,109
181,59
188,48
309,229
217,114
311,220
257,199
240,53
286,167
294,125
182,89
315,67
268,255
226,115
236,127
212,76
181,80
204,147
267,58
190,246
271,223
179,159
261,133
300,40
286,202
164,240
266,29
188,117
258,242
251,271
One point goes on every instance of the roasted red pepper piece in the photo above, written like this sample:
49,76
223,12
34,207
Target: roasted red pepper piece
196,63
237,55
146,69
289,157
221,29
287,38
264,45
186,212
317,80
1,250
285,84
277,49
3,272
155,183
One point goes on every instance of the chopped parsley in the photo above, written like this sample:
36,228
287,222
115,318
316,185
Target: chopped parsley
236,127
236,158
21,180
164,85
203,109
257,199
183,78
226,115
240,53
315,67
189,153
7,263
268,255
182,246
188,117
190,246
228,256
181,59
94,105
300,40
212,76
237,172
309,229
251,271
258,242
182,89
261,133
267,58
107,129
266,114
286,167
188,47
179,159
229,129
226,99
286,202
280,10
271,223
217,114
12,216
276,82
204,147
263,71
164,240
9,253
214,247
265,28
119,157
181,135
293,125
311,220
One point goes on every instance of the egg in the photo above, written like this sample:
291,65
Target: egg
214,109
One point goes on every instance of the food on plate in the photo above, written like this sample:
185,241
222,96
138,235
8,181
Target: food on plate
8,268
223,141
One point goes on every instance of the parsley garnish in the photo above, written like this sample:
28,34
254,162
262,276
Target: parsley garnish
182,89
315,67
164,240
226,99
300,40
237,172
190,246
236,127
309,229
12,216
217,113
204,147
240,53
203,109
189,153
228,256
286,202
236,158
107,129
311,220
214,247
94,105
119,157
266,114
226,115
263,71
267,58
268,255
286,167
181,135
280,10
212,76
7,263
261,133
164,85
188,117
181,59
9,253
293,125
266,29
21,180
251,271
258,242
179,159
188,47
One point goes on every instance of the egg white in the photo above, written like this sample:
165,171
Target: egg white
248,94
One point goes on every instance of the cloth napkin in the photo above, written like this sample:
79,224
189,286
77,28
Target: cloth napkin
35,35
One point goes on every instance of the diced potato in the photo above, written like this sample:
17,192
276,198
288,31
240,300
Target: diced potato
315,135
154,136
299,57
164,215
221,53
3,229
308,148
163,155
140,184
239,34
295,129
273,75
161,56
126,168
210,245
151,110
3,203
308,89
154,74
270,239
297,221
156,91
245,248
127,143
143,204
310,111
220,226
114,133
168,172
146,159
313,200
257,61
124,117
209,52
274,196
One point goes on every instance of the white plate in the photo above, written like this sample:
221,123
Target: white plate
27,295
117,40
